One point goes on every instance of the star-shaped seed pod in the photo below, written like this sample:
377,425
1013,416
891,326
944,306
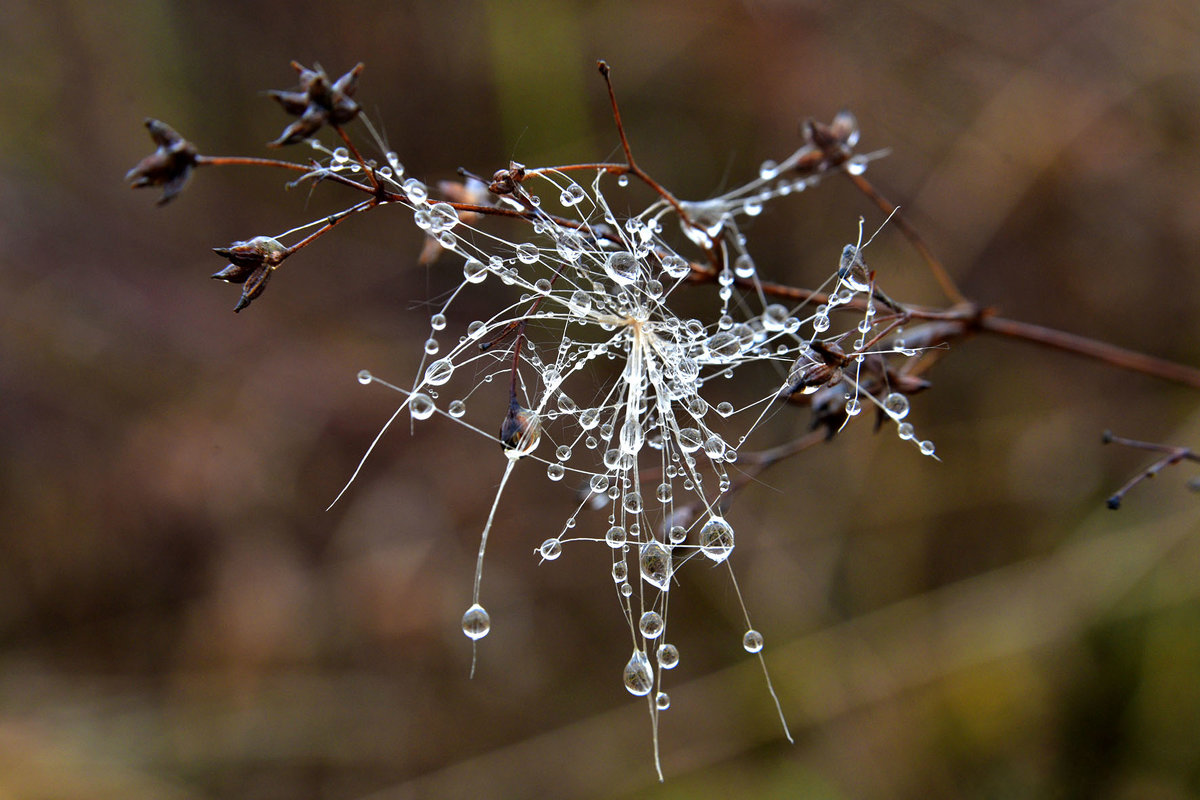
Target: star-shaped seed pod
317,102
169,166
251,264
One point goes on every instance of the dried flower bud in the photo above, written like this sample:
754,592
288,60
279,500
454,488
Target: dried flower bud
169,166
505,181
317,103
251,264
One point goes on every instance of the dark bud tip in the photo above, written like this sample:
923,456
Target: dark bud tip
602,65
1106,437
1113,502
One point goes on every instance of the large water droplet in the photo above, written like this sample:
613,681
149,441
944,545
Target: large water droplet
550,549
639,676
622,267
655,563
476,623
896,405
421,406
716,539
439,372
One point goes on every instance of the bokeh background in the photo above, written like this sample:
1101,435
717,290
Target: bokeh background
180,617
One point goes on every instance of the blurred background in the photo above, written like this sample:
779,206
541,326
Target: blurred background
180,616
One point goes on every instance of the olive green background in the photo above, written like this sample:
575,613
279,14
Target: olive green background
180,616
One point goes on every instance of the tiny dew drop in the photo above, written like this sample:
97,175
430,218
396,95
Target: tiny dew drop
457,408
474,271
620,571
437,322
555,472
476,623
550,549
639,677
853,407
626,590
431,346
662,701
622,180
926,448
905,430
752,641
527,253
615,538
364,376
725,409
677,534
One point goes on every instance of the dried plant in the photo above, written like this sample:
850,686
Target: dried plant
591,369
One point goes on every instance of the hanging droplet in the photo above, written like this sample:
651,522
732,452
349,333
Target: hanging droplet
667,655
364,376
620,571
896,405
639,676
676,266
421,406
476,623
752,641
662,701
555,472
550,549
457,408
656,565
474,271
572,195
651,625
615,537
716,539
926,448
905,430
527,253
632,502
677,534
853,407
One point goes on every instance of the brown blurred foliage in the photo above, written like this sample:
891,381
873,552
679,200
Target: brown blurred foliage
180,616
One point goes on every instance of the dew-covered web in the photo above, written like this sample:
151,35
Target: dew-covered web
614,394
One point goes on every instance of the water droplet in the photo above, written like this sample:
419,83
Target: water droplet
905,430
651,625
415,191
443,216
663,493
422,219
768,170
474,271
572,195
668,656
439,372
655,563
599,483
341,155
421,406
431,346
620,571
555,472
857,165
853,407
662,701
752,641
716,539
626,590
580,303
752,207
476,623
743,266
457,408
527,253
690,440
774,318
542,286
563,453
615,537
725,409
364,376
622,180
394,160
926,448
896,405
677,534
639,677
714,447
676,266
550,549
438,322
632,502
820,323
622,267
589,418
